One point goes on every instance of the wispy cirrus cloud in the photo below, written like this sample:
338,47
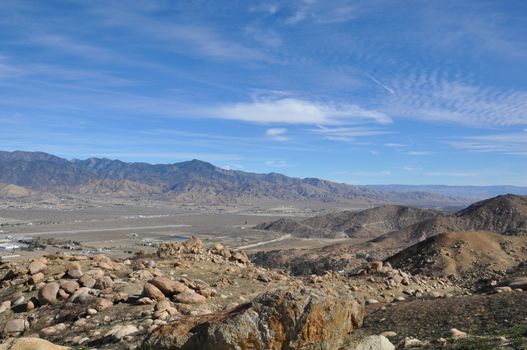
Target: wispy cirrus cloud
434,96
347,133
296,111
67,45
184,38
277,163
514,143
395,145
452,173
483,29
322,12
419,153
366,173
277,134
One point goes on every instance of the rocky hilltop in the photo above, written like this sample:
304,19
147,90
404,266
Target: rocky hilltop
463,254
184,297
190,296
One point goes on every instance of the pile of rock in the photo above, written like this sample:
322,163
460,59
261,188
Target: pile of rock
194,246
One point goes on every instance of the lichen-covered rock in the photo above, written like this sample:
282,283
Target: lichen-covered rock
295,318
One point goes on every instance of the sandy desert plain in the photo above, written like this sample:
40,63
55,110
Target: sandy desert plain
120,228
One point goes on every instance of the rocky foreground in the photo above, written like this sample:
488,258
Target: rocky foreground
191,297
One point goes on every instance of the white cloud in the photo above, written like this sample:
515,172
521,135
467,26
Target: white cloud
507,143
411,168
452,173
418,153
265,37
277,163
295,111
395,145
323,12
347,134
62,43
8,70
277,134
433,96
362,173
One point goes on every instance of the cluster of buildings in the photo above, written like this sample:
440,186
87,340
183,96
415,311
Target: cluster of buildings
10,243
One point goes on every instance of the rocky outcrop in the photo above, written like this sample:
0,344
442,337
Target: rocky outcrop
295,318
194,246
191,246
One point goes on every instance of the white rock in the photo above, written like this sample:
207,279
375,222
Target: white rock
389,334
375,342
457,334
121,331
6,305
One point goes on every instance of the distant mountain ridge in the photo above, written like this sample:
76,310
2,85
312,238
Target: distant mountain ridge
193,180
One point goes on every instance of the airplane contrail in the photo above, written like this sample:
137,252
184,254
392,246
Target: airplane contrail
378,82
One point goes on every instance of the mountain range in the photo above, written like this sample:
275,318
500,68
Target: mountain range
194,181
199,181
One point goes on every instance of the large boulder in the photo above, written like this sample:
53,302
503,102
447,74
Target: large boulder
120,331
36,267
69,286
4,306
81,296
151,291
518,283
16,326
30,344
294,318
167,286
190,297
48,293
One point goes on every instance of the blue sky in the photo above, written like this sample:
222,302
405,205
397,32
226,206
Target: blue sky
363,92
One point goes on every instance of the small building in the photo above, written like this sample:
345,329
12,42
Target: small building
9,246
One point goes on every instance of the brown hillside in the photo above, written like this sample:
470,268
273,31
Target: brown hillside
13,191
463,254
503,214
367,223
